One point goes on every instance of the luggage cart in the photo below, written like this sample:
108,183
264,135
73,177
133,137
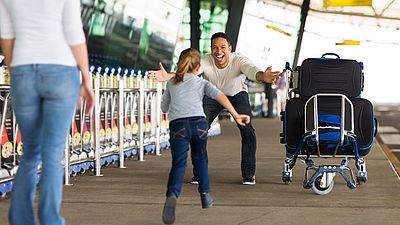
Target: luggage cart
9,157
322,120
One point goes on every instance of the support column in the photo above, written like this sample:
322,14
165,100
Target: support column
195,24
304,11
236,8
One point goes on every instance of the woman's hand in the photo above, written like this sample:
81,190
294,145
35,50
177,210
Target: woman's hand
87,93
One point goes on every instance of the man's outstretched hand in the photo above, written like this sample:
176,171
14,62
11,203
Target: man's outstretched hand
270,76
159,75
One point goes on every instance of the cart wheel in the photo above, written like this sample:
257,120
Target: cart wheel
82,172
74,173
361,180
2,195
317,189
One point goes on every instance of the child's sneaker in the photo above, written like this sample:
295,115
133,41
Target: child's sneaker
249,181
206,200
194,180
168,215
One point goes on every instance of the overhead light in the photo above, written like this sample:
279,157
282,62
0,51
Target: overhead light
349,42
278,30
340,3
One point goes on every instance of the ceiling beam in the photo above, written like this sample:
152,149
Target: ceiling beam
379,16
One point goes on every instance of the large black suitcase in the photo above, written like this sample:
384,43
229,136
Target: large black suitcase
364,124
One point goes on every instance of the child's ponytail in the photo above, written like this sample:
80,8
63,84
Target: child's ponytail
188,60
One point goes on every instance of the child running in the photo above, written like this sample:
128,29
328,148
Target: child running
183,99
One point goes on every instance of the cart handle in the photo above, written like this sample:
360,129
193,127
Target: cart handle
330,53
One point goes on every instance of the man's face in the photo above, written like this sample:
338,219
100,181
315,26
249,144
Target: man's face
220,50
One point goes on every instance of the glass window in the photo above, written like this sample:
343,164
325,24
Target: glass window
268,33
127,33
213,18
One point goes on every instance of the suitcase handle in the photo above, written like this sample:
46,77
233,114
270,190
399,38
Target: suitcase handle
330,53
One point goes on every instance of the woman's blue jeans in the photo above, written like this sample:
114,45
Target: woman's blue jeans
43,98
184,132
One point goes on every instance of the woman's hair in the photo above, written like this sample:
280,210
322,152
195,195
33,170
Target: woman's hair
188,60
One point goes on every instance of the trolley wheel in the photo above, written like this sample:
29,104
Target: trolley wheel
361,180
287,180
73,174
3,195
82,172
317,189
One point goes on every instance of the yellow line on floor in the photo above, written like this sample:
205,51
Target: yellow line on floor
392,158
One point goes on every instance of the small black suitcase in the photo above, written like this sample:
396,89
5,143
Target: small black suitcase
330,75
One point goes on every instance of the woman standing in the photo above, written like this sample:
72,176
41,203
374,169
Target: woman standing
44,45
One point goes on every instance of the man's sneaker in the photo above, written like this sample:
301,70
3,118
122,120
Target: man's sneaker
249,181
206,200
168,215
194,180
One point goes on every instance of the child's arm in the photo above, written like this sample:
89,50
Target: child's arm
166,99
241,119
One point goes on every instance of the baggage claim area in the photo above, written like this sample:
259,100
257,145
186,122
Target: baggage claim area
328,142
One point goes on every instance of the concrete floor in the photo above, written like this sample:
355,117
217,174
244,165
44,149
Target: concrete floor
135,195
389,131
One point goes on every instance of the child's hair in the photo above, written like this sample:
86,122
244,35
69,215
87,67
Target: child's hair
188,60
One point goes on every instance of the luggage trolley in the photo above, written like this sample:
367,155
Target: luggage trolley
326,118
8,154
134,110
149,140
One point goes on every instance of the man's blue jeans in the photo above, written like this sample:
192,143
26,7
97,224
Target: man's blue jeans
240,102
43,99
184,132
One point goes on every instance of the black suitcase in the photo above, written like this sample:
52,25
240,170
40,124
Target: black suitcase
364,124
330,75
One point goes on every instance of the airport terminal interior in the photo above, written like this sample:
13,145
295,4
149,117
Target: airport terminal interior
327,129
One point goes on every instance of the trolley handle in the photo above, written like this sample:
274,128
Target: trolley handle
287,67
332,54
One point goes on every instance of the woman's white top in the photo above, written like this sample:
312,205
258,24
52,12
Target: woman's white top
43,30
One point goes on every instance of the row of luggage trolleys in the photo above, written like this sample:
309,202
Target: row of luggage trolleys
127,122
326,117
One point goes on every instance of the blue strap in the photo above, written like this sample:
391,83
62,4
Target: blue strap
329,118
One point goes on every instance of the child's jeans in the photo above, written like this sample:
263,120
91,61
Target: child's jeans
185,131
